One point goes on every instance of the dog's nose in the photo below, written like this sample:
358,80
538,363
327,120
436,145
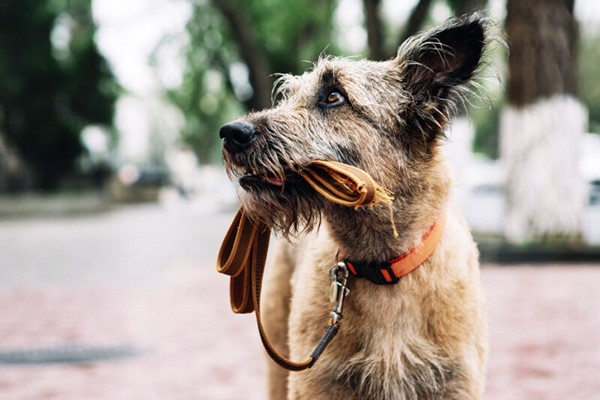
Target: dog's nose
237,136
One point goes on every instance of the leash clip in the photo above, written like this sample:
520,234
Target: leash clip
338,291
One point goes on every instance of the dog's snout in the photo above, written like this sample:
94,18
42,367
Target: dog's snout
237,135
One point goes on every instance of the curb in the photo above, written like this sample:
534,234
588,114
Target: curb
52,205
499,252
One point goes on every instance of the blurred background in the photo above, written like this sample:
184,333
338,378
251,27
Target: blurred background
113,199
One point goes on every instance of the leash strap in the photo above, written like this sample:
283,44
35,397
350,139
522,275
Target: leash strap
242,256
244,250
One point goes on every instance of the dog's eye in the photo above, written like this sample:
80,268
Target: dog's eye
334,98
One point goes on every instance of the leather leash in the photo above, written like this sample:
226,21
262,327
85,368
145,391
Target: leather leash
244,250
345,185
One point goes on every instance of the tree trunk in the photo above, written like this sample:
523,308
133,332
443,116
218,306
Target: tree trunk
415,20
462,7
374,25
543,124
251,51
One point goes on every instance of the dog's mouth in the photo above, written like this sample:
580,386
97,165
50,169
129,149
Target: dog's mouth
254,179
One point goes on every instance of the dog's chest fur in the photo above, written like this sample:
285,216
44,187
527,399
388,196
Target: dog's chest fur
395,342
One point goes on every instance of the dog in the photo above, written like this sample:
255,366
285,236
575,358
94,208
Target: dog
423,335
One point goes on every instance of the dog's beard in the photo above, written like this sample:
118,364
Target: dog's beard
289,209
272,190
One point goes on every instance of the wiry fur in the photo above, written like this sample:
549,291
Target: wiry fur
423,338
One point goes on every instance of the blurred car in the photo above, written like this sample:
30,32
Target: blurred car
134,183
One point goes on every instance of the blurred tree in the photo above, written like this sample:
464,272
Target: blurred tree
462,7
275,36
206,95
236,48
589,78
51,89
542,126
416,20
486,122
374,28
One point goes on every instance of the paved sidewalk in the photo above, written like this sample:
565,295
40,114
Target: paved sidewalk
145,278
545,332
191,345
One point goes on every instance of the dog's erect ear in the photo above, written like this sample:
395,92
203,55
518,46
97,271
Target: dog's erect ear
436,63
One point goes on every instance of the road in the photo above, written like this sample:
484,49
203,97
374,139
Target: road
144,278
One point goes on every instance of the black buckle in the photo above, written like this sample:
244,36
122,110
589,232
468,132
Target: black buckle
373,272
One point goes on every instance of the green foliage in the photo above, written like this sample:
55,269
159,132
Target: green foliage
461,7
487,125
202,97
292,31
48,95
214,89
589,79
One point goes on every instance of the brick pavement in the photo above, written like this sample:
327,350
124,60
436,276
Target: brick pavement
190,344
545,327
545,332
545,336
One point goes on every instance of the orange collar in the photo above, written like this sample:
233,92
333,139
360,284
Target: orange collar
390,272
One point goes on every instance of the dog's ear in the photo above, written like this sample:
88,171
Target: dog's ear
436,65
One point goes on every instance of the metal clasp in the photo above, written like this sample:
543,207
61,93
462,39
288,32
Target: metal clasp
339,290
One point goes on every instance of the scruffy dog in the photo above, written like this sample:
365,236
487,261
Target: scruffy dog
423,337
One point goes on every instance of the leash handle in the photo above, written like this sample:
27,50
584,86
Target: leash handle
237,251
242,256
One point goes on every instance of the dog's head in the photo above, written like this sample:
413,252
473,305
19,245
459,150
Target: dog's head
386,118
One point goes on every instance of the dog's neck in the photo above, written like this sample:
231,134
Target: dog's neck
368,234
366,238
